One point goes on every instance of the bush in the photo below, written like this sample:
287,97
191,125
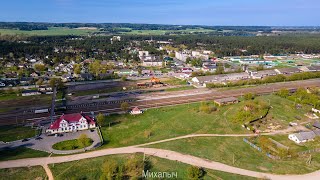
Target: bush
147,134
249,96
206,108
195,172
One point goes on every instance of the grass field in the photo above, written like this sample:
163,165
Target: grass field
162,32
169,122
20,153
165,123
50,32
70,144
36,172
12,133
91,168
222,149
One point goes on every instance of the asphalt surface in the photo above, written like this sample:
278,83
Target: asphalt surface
46,143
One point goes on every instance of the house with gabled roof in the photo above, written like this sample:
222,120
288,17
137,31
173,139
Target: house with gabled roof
71,123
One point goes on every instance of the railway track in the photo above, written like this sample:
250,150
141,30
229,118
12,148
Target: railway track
114,106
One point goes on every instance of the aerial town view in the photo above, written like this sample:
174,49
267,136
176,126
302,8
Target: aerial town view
170,89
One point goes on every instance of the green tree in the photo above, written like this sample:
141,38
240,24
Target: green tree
77,69
284,93
249,96
195,172
134,167
124,106
39,82
101,119
56,82
123,78
109,169
84,141
39,67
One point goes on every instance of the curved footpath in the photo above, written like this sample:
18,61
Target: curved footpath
166,154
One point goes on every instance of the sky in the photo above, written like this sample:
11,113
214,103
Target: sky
182,12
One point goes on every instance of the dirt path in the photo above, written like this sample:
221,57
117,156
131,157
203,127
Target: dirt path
48,171
166,154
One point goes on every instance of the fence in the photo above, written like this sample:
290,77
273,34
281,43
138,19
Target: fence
259,149
309,151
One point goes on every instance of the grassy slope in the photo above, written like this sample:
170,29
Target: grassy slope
20,153
12,133
91,168
221,149
166,123
180,120
36,172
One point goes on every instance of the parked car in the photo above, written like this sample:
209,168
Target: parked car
39,138
58,135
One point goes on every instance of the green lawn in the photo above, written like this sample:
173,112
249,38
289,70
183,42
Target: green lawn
71,144
36,172
91,168
169,122
12,133
166,123
20,153
50,32
222,149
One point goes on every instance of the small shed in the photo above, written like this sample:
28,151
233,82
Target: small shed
136,111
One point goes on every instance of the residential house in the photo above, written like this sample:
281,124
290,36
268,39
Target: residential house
152,62
182,56
71,123
302,137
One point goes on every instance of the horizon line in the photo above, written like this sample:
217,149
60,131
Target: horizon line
318,26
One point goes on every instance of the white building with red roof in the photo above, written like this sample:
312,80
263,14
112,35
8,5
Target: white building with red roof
71,123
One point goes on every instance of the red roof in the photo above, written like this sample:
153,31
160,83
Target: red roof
71,118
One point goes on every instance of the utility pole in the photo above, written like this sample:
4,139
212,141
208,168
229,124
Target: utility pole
53,103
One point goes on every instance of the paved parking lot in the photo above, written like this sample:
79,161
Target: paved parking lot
45,144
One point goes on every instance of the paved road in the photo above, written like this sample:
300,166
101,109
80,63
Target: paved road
47,142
